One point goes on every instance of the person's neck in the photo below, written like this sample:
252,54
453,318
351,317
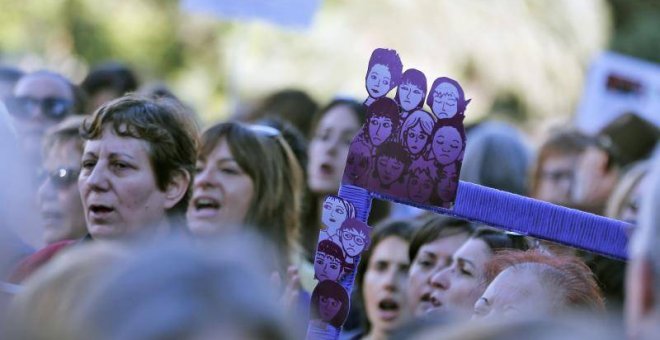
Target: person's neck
375,334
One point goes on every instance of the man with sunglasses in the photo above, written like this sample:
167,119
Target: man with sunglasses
40,100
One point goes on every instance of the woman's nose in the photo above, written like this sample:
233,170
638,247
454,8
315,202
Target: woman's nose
205,178
98,179
440,279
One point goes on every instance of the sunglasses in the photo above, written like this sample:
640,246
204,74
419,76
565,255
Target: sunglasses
61,178
51,107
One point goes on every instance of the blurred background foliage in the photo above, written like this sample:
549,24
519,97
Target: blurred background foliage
522,59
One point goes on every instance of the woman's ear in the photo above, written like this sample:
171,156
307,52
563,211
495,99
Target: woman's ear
177,188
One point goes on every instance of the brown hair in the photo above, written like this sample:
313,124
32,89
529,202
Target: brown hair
164,125
266,157
66,131
567,274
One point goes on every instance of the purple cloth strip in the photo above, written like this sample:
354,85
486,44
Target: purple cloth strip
540,219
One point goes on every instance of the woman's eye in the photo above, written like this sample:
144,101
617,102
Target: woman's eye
120,165
229,171
333,266
88,164
425,263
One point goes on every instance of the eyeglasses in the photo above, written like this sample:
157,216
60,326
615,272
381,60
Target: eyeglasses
51,107
359,240
61,178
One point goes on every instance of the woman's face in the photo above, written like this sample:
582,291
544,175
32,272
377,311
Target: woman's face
380,129
445,98
118,187
328,149
222,192
416,139
334,214
447,145
410,96
384,286
59,198
328,307
378,81
457,287
515,293
420,187
389,169
431,259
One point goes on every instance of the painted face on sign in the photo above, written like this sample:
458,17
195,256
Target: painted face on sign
328,307
448,183
334,214
380,129
358,161
416,139
327,267
445,98
410,95
389,169
353,242
447,145
379,81
420,187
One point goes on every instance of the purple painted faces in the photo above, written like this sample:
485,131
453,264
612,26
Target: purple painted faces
421,184
335,212
329,261
446,98
448,183
383,73
354,237
383,119
411,92
358,164
330,303
416,131
447,144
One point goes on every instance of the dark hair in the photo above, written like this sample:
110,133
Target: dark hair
291,105
460,101
435,228
113,76
390,59
398,228
11,74
333,249
65,131
395,151
172,138
355,107
497,240
277,178
333,290
456,122
386,107
415,77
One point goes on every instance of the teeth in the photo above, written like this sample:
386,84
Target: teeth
203,203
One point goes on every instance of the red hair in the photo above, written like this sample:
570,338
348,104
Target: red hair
568,274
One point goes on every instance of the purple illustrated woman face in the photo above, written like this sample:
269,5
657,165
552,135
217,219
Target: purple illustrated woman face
379,81
410,95
420,187
380,129
447,145
416,139
327,267
448,183
358,161
328,307
334,214
353,242
389,169
445,100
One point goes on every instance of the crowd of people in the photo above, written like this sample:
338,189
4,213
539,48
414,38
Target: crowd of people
124,218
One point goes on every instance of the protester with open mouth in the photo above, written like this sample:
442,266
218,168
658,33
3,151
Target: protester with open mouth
247,175
382,281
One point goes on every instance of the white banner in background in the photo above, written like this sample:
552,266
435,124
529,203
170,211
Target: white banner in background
617,84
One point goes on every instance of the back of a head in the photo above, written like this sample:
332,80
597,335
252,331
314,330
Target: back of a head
292,105
111,76
496,156
183,291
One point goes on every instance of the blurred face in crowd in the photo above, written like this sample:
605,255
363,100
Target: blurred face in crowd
328,149
457,287
430,259
40,101
118,187
379,81
59,198
222,192
556,178
384,286
515,293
